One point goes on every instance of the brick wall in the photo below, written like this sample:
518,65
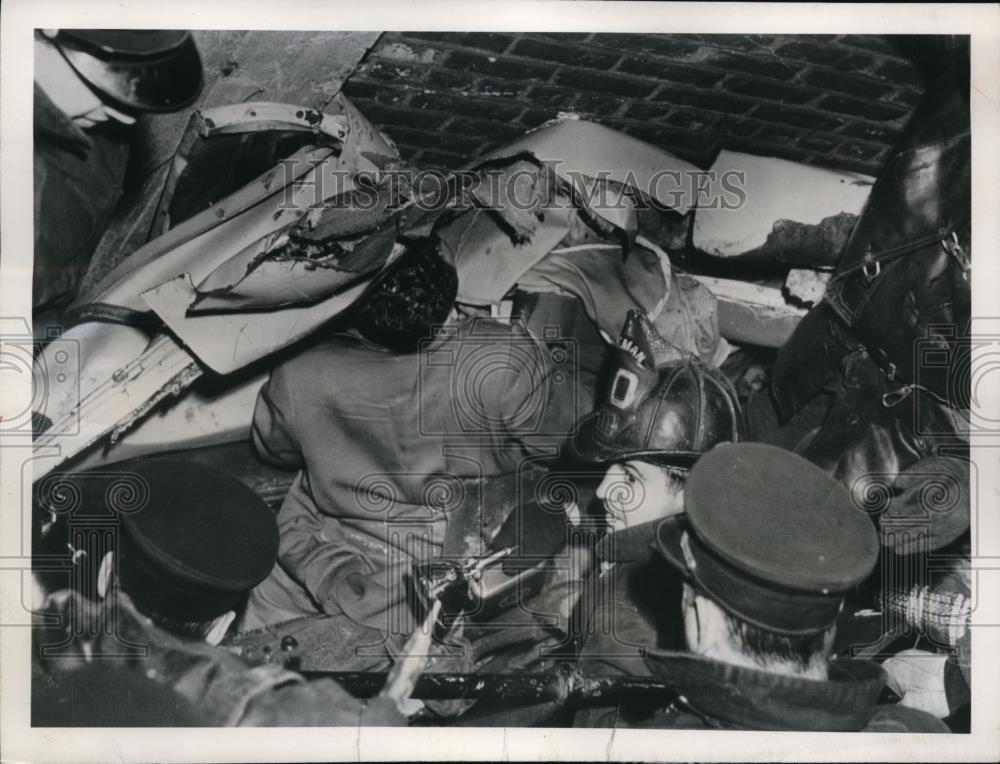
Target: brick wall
838,101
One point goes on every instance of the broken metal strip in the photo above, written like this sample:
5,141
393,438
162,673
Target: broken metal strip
259,116
558,685
401,681
163,370
585,248
751,294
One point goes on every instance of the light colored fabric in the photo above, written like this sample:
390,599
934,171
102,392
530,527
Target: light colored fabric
610,284
918,678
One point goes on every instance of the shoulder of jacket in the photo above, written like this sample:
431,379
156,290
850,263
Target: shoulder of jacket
324,359
489,327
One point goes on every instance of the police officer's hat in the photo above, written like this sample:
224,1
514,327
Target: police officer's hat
770,537
192,540
663,405
140,70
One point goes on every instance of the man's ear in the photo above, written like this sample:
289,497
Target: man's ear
219,627
104,574
713,634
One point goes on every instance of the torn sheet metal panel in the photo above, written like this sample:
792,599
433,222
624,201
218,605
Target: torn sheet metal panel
278,199
534,216
197,247
766,209
200,244
269,206
103,348
217,415
610,202
163,370
275,272
489,264
264,65
517,195
226,342
578,148
99,350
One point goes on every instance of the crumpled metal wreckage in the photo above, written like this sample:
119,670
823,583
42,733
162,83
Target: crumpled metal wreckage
268,264
125,369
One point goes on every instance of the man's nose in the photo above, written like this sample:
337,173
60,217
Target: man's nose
602,489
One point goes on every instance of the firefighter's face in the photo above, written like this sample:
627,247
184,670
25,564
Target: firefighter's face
636,492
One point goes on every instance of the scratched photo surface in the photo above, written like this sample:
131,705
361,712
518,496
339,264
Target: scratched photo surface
574,380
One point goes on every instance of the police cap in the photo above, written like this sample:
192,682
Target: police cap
194,540
770,537
142,70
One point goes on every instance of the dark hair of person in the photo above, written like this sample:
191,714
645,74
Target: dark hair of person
766,647
412,296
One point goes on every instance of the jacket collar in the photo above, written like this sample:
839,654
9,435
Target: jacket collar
632,544
50,122
752,699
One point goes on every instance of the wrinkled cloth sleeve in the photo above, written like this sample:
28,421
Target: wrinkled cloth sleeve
336,575
272,431
538,401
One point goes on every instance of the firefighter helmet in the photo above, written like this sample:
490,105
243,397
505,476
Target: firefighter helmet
663,405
